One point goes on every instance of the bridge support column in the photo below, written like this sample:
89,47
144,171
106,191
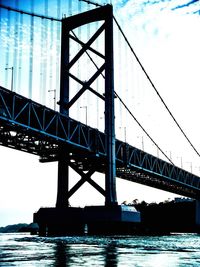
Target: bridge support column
60,221
197,217
63,183
110,175
112,220
63,167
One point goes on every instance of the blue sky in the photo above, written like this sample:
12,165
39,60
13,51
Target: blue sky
165,36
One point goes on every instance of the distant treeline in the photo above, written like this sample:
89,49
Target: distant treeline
166,217
156,218
17,228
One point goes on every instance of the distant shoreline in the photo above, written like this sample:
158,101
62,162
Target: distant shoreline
156,218
18,228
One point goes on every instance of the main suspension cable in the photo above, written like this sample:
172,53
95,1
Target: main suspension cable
142,128
154,87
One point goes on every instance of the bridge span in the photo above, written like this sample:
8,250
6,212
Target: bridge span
31,127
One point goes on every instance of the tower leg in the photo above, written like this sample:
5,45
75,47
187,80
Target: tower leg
110,175
63,183
197,218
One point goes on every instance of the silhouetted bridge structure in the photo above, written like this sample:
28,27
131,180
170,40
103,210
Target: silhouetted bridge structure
53,136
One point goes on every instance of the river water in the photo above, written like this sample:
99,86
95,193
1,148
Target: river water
180,250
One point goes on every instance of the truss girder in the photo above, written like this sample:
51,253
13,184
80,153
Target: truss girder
30,127
163,172
18,111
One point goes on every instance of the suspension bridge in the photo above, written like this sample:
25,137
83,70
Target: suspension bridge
84,69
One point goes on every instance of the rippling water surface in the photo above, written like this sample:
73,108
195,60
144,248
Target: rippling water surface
26,250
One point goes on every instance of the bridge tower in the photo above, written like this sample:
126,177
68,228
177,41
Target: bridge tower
104,14
110,218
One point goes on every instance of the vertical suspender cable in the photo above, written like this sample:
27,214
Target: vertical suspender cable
31,52
79,37
16,47
126,83
88,61
88,37
43,47
7,47
78,63
19,89
41,58
97,80
58,30
119,74
51,57
45,41
69,7
0,35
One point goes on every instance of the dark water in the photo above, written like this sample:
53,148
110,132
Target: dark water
25,250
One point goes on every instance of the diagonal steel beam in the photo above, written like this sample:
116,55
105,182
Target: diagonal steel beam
85,47
81,181
75,38
85,177
89,88
96,186
85,86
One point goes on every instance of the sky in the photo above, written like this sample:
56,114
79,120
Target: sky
165,36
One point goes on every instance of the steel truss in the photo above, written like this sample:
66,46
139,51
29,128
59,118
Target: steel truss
30,127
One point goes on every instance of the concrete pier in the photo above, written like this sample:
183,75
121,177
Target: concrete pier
60,221
98,219
109,220
197,217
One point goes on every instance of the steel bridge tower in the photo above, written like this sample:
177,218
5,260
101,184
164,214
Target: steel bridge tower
110,218
68,25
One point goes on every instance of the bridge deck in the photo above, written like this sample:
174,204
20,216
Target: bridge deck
31,127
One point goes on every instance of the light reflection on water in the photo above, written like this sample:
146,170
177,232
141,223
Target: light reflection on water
165,251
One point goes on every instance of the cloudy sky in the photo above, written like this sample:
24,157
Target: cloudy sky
165,36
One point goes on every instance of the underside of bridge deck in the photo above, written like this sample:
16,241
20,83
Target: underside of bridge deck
22,138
